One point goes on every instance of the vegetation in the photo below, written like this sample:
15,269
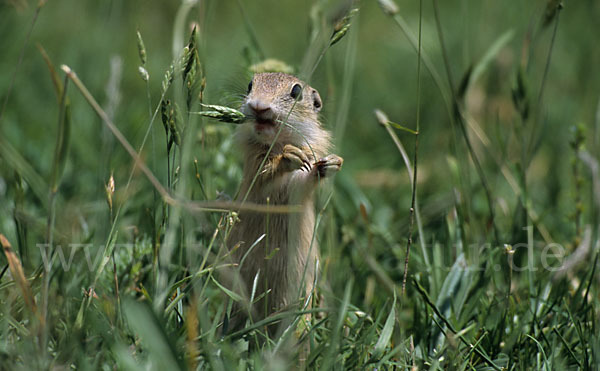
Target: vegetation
114,193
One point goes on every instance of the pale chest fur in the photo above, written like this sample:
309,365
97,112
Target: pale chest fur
285,257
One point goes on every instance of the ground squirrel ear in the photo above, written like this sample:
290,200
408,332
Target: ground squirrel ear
317,103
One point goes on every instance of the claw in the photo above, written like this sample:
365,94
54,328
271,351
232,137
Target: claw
329,165
297,159
306,166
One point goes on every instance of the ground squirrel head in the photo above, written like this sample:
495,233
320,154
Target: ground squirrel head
275,99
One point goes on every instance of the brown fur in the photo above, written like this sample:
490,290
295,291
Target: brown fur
285,260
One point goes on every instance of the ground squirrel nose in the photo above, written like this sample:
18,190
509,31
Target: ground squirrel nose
260,108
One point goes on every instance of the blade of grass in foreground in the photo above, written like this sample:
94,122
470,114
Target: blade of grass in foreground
58,164
386,332
330,356
160,349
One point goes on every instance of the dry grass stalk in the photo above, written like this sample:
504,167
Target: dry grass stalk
16,269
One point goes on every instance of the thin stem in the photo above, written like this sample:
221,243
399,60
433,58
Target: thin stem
193,206
151,118
168,162
459,117
425,59
394,136
251,32
347,83
542,87
20,60
138,161
46,282
116,279
415,158
52,215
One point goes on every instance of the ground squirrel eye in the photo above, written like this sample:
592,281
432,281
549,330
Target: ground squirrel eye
296,91
249,87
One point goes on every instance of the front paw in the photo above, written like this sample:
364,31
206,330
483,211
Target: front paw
328,166
295,159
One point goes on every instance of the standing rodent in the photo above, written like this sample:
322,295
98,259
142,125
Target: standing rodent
286,259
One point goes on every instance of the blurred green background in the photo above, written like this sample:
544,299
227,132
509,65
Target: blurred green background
86,35
529,161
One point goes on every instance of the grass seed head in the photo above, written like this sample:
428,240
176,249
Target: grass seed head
143,73
110,191
222,113
165,109
173,116
342,27
381,117
389,7
141,48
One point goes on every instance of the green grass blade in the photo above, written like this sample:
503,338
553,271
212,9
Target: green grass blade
386,332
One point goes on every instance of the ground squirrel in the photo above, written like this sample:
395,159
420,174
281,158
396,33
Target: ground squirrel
285,259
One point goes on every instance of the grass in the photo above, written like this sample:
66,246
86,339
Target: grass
462,233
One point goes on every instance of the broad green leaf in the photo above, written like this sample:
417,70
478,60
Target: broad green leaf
386,333
148,327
